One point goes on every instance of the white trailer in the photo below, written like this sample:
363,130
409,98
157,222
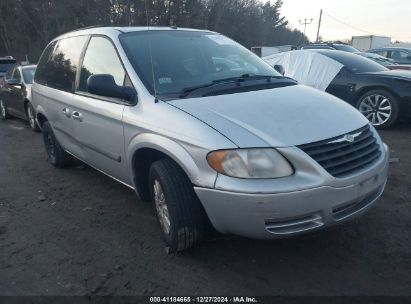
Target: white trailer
264,51
365,43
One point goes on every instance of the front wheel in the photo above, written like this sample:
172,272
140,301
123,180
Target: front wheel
31,116
3,110
56,155
179,211
380,108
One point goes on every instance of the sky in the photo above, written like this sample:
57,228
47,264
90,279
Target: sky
390,18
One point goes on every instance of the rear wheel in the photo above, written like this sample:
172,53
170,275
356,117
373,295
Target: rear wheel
3,111
31,116
179,211
380,108
56,155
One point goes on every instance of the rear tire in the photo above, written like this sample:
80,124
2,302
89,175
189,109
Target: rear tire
380,107
31,116
3,111
56,155
180,214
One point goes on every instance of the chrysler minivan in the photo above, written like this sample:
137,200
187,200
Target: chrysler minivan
207,131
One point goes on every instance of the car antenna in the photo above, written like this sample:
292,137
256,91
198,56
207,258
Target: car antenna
151,54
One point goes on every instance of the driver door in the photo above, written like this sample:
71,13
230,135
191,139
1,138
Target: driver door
16,95
98,120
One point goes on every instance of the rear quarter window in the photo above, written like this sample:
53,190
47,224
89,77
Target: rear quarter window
58,65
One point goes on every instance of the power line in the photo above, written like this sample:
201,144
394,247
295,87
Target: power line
346,24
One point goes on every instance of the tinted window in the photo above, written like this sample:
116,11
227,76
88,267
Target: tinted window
169,61
17,75
346,48
101,58
28,74
353,62
6,65
58,65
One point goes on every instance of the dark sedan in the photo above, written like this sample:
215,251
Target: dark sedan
382,95
15,95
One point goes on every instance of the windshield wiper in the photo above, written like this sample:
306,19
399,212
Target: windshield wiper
245,77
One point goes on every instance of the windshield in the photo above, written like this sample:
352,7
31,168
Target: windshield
6,65
184,59
377,58
28,74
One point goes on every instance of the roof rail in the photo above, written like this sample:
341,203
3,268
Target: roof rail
88,27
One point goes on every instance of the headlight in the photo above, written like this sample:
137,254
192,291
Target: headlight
250,163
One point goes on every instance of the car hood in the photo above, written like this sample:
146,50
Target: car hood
401,74
280,117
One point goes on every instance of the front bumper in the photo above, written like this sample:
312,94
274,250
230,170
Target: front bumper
282,214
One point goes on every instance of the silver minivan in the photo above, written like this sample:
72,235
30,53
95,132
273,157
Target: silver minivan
207,131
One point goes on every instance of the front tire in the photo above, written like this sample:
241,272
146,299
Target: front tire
31,117
56,155
179,211
3,110
380,107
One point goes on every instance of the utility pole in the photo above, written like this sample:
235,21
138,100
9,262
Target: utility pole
305,23
319,25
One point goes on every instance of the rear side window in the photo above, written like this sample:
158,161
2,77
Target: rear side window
101,58
58,65
401,57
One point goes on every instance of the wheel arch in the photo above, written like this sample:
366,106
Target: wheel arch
40,116
145,149
367,89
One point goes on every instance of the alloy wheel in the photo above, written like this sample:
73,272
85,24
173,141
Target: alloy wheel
161,208
376,108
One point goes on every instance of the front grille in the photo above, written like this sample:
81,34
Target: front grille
341,157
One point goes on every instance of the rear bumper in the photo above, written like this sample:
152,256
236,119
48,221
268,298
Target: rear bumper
270,216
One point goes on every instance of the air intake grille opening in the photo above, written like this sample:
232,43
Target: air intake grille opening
346,154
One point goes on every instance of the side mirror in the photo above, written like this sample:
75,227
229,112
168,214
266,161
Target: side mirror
280,69
105,85
13,82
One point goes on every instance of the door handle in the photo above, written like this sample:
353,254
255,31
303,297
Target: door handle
77,116
66,112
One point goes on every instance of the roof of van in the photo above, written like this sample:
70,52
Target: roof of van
116,30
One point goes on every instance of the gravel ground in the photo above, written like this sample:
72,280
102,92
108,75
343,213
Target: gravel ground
77,232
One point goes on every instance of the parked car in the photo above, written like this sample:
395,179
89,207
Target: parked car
388,63
383,96
235,145
330,46
6,63
15,95
399,55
